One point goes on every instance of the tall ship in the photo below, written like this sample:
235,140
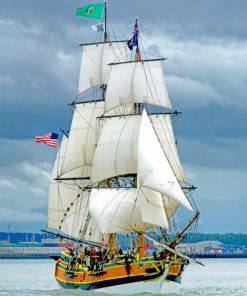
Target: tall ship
117,180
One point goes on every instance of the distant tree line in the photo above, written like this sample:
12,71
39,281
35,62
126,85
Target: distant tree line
226,238
16,237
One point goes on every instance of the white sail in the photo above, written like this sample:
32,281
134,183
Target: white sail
83,137
94,68
58,164
142,82
164,131
78,221
170,206
123,210
116,149
54,209
153,208
62,193
154,170
61,197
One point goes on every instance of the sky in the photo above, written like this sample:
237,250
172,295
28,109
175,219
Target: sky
205,43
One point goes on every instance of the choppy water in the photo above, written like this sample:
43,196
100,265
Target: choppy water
35,278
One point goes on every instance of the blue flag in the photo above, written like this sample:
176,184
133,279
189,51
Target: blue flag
133,41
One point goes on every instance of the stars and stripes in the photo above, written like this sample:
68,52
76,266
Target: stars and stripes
50,139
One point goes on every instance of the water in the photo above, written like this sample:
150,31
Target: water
35,278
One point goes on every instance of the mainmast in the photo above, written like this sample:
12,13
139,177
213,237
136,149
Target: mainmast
138,110
103,86
138,58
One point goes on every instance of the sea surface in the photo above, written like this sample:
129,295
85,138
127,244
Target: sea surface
35,278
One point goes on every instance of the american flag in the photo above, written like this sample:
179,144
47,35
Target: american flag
49,139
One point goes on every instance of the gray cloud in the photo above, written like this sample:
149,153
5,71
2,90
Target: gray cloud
221,154
219,197
23,192
204,71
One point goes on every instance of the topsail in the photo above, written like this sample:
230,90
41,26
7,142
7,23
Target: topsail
137,82
95,58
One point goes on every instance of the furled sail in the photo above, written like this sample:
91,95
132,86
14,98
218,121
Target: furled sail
138,81
154,170
164,131
116,152
123,210
94,68
82,139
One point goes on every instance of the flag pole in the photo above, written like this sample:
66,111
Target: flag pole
105,33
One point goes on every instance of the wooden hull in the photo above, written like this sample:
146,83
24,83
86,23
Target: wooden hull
144,275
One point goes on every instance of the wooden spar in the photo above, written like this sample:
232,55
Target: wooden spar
172,250
63,236
173,244
138,106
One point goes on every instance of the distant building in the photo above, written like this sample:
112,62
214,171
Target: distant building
200,247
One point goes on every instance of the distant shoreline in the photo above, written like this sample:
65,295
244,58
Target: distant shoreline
48,256
220,255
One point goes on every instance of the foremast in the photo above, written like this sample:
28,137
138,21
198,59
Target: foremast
131,86
70,184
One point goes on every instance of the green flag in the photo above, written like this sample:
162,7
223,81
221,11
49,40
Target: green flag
93,10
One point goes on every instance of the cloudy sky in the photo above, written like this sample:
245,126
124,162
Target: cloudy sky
206,71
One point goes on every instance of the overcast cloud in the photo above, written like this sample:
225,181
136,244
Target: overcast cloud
206,46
